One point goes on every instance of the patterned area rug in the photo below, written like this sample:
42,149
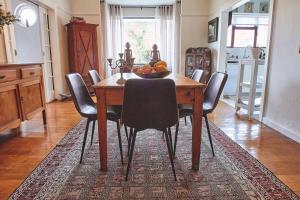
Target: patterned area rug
232,174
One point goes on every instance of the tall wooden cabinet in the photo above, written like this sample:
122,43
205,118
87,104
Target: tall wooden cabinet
21,94
198,58
83,49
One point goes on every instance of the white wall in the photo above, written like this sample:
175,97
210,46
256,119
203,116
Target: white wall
282,105
194,18
283,96
91,13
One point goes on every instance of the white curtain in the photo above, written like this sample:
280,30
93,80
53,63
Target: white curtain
112,34
169,35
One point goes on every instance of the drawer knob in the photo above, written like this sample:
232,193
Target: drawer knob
2,77
31,73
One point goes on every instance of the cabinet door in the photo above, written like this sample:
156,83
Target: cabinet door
87,51
31,96
10,112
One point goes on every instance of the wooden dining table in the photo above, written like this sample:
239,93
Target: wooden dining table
188,91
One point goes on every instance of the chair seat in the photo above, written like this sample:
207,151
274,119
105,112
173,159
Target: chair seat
113,112
187,110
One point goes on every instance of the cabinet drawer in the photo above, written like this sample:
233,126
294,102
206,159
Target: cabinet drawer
8,75
31,72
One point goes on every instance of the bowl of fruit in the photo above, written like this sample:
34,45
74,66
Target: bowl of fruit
159,70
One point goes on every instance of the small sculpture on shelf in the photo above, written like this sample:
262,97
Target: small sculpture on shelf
155,55
129,60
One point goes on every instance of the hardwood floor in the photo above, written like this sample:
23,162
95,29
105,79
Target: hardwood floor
21,153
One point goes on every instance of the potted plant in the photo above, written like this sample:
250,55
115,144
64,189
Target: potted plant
6,18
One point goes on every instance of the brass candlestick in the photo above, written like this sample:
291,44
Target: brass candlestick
119,64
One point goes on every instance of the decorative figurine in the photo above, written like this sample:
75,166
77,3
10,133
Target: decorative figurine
125,65
155,55
129,60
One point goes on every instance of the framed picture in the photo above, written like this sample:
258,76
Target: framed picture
213,28
264,7
248,7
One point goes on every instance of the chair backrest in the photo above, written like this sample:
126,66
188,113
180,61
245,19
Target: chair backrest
198,75
94,76
79,92
150,104
214,89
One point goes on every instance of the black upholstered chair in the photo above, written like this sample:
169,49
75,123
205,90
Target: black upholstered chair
87,108
198,75
150,104
212,95
95,78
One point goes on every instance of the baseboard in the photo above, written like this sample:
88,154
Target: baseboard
284,131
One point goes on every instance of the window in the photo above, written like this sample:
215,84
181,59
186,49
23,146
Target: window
262,37
26,14
243,36
141,34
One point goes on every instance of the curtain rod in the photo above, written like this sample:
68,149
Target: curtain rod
178,1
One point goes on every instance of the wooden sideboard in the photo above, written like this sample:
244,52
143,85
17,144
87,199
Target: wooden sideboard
21,94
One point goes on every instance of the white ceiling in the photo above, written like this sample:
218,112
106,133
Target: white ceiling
141,2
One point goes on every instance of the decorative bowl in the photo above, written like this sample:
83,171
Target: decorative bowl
154,75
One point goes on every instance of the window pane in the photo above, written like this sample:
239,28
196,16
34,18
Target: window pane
262,36
141,34
244,37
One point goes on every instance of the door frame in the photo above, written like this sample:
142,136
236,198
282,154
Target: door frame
49,95
221,60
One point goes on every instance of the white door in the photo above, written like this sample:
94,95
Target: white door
47,59
27,32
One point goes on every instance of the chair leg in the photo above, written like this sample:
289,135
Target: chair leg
126,132
129,140
209,135
120,141
185,120
84,138
130,154
168,139
171,142
93,130
191,118
176,135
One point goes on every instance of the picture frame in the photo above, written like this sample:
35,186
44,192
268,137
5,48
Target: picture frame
213,29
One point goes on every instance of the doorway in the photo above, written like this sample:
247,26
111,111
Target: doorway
27,32
244,52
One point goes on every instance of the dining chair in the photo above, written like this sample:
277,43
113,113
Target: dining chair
95,78
150,104
87,108
212,95
198,75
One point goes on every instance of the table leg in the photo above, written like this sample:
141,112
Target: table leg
102,128
197,128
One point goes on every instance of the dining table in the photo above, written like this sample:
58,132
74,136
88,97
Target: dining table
109,93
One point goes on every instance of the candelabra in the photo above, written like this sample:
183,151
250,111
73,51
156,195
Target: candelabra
119,64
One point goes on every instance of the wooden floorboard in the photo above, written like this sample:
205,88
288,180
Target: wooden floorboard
21,153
